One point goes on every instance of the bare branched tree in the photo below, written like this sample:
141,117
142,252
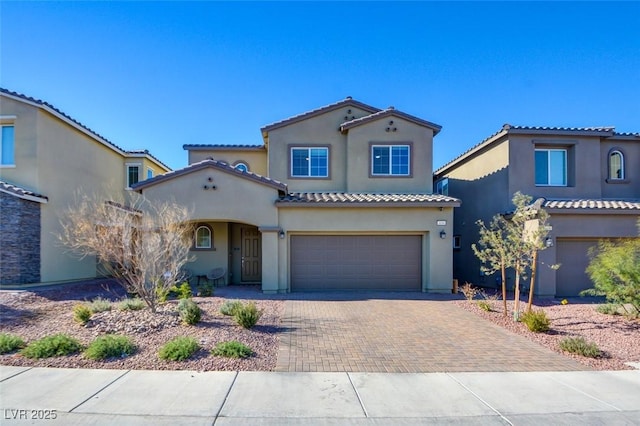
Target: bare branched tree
143,245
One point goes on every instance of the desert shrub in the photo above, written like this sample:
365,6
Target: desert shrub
162,294
484,305
110,346
232,349
230,307
248,315
469,291
10,342
178,349
100,304
205,289
81,313
189,311
578,345
134,304
56,345
536,321
608,309
184,291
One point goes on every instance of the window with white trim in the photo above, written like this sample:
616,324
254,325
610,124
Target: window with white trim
149,173
616,165
551,167
243,167
203,237
390,160
133,174
7,146
442,186
309,162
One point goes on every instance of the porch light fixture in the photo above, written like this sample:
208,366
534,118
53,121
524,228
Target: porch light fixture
443,234
281,234
548,242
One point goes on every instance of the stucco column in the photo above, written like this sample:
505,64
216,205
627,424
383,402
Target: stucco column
269,258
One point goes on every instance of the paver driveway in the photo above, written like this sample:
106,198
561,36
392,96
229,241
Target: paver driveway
393,332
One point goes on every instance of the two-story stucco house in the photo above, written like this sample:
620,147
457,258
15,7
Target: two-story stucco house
335,198
46,157
588,178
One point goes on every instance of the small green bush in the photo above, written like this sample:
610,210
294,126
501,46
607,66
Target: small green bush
205,289
608,309
10,342
162,294
248,315
110,346
484,305
189,311
230,307
578,345
184,291
178,349
232,349
81,313
100,304
56,345
536,321
134,304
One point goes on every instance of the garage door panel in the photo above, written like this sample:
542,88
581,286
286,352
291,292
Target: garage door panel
573,257
332,262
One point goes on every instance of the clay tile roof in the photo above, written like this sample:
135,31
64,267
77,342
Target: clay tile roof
208,147
216,164
590,204
96,135
391,111
16,191
604,129
348,101
316,198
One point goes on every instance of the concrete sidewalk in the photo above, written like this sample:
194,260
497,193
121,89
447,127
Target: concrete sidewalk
131,397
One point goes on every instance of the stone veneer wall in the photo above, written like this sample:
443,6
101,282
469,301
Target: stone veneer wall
19,240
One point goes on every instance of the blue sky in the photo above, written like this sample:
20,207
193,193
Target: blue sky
157,75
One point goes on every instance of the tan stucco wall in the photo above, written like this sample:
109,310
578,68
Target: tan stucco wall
256,160
321,130
206,260
420,140
436,252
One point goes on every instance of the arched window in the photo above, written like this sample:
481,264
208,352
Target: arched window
243,167
616,165
204,238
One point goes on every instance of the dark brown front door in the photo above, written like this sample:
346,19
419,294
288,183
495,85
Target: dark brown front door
251,247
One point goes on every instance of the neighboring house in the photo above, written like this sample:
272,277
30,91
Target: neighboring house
589,179
46,157
336,198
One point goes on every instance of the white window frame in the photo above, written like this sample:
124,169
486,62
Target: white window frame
150,171
242,164
441,184
127,166
7,121
389,147
308,149
196,242
622,170
549,169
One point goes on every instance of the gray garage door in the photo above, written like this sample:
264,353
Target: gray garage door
571,278
356,262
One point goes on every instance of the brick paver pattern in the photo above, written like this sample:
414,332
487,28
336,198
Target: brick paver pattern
382,334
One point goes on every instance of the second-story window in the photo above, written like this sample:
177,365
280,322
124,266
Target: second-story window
442,186
616,165
242,166
390,160
309,162
7,145
551,167
133,174
149,172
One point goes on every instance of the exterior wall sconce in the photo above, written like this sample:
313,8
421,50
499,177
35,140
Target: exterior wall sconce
548,242
443,234
281,234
